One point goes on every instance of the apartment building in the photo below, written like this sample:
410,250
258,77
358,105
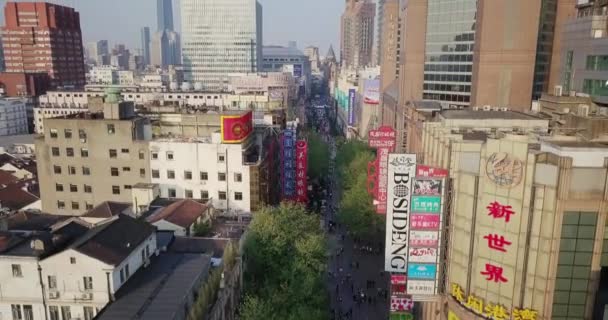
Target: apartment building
91,157
13,116
59,267
357,34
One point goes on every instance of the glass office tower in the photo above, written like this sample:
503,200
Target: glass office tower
219,38
450,38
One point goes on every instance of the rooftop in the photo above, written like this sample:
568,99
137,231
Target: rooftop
281,51
579,145
113,241
160,290
7,141
27,221
107,209
486,115
183,213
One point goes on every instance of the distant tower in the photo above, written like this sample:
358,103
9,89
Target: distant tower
145,44
357,34
165,44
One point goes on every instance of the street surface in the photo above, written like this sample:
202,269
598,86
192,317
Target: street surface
355,277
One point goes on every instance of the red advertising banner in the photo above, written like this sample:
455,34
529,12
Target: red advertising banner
427,221
384,140
430,172
301,169
235,129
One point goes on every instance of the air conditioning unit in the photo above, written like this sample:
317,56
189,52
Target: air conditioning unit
87,296
558,91
487,108
53,294
504,109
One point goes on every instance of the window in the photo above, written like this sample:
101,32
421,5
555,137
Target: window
16,270
28,312
205,195
128,187
126,169
111,129
169,155
221,176
66,313
114,172
75,205
53,133
238,177
155,174
204,176
127,273
124,150
71,170
67,133
115,189
57,169
88,283
60,205
171,192
122,275
73,188
154,155
238,196
52,282
142,155
170,174
113,153
54,313
89,313
142,173
16,310
188,194
89,206
72,260
69,152
84,152
82,135
88,189
222,195
58,187
55,151
221,158
188,175
86,171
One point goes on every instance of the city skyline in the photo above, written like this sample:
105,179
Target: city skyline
279,17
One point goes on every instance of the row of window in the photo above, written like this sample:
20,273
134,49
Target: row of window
189,194
597,63
204,176
169,155
73,188
82,134
84,152
74,205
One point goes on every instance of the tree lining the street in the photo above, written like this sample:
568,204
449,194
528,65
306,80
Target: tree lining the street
285,254
356,207
318,156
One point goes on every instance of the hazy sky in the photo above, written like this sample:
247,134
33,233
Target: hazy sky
309,22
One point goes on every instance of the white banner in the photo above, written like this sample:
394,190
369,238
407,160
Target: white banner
421,287
424,238
424,255
401,173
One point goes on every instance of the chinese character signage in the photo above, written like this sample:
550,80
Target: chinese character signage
497,242
427,187
424,238
428,221
423,255
351,107
301,169
430,172
421,287
401,303
504,169
288,162
401,171
421,271
384,140
426,204
489,310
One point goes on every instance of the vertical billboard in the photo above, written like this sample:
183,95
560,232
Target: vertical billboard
351,107
371,92
297,70
383,140
426,223
301,169
401,172
288,163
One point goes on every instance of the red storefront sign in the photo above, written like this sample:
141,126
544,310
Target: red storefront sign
429,221
301,169
384,140
430,172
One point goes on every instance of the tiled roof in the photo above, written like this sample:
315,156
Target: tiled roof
107,209
7,177
27,221
182,213
113,241
15,198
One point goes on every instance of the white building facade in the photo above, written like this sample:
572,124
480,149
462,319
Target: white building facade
13,116
60,103
202,170
220,37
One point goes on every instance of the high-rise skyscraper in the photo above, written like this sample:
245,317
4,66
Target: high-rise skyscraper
378,34
164,15
357,33
220,37
98,52
145,44
25,22
477,53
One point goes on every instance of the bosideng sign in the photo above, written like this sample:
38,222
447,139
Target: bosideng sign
401,173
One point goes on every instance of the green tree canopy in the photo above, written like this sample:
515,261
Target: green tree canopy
318,156
286,257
